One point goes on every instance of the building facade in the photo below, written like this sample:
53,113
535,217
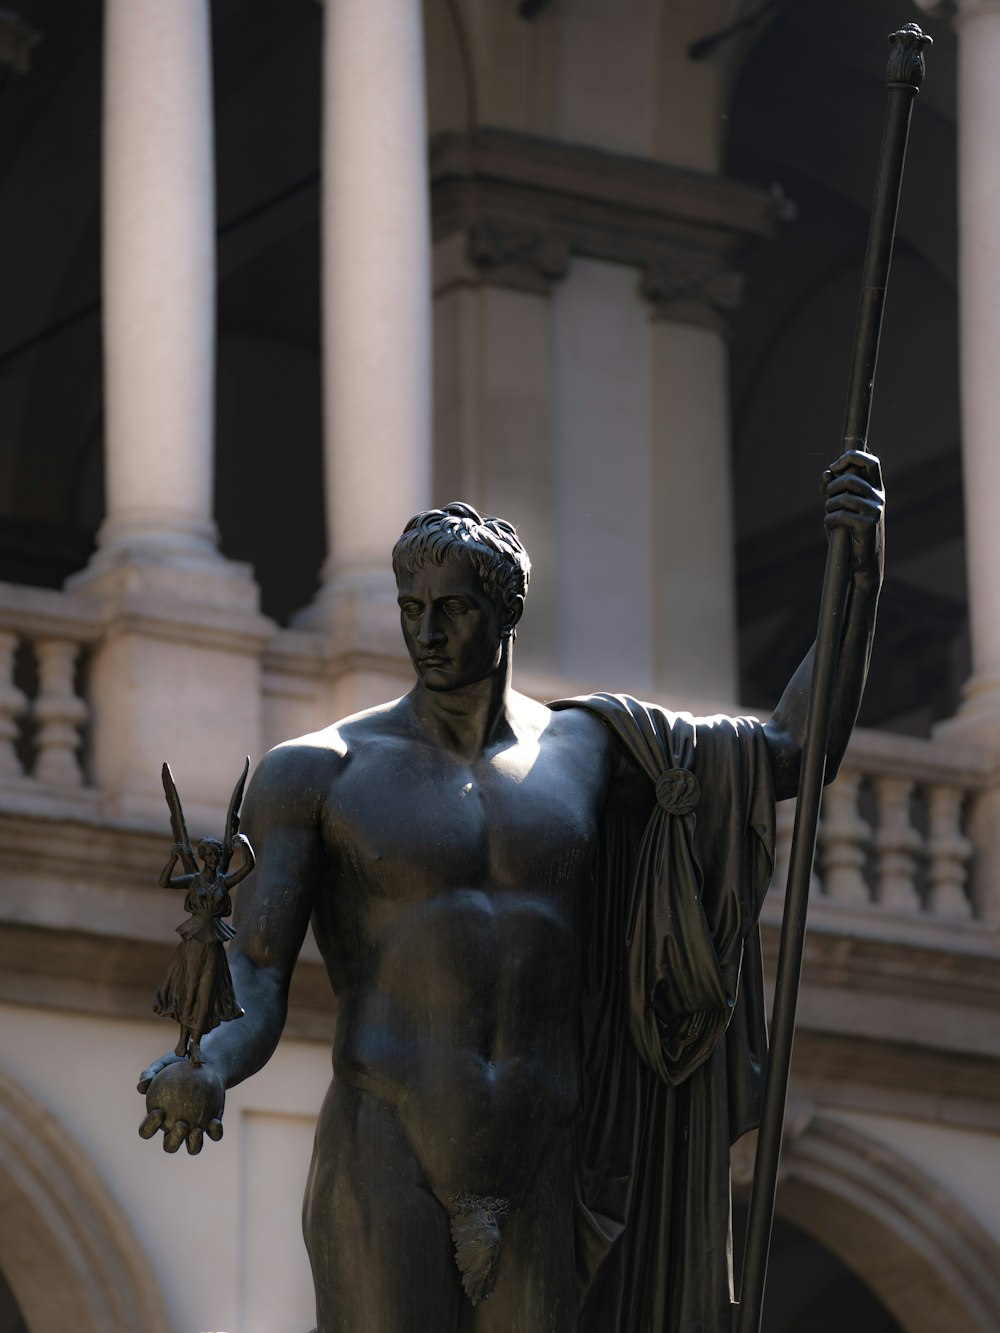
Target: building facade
278,277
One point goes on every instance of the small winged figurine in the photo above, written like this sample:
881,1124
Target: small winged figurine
197,990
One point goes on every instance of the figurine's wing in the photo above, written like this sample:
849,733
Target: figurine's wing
233,818
177,825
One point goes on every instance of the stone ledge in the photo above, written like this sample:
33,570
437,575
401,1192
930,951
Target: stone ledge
896,1078
526,204
114,977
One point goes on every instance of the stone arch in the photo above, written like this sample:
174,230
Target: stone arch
906,1236
68,1252
451,86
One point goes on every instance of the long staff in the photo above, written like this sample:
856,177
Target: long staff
905,72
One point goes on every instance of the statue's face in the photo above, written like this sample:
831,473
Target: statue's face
451,627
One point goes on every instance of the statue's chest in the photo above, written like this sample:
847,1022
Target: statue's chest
523,817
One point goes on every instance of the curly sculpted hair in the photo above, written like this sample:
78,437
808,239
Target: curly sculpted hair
491,544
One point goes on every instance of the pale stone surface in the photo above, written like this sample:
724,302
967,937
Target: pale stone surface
69,1252
512,64
908,1235
604,74
978,27
689,109
493,427
601,441
154,1189
696,652
376,290
964,1161
173,679
279,1147
159,281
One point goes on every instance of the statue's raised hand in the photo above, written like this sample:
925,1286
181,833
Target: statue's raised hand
184,1100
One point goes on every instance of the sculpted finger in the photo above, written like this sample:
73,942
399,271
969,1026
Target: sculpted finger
194,1141
850,483
859,461
147,1075
175,1136
214,1130
151,1124
852,509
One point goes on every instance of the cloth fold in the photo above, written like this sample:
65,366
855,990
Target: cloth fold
673,962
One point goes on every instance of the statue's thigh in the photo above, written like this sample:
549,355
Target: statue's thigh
378,1240
535,1290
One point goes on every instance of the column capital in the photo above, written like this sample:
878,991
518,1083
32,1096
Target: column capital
528,204
698,287
512,255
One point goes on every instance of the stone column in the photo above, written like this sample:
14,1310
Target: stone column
978,24
606,426
176,673
492,422
158,270
978,719
376,321
694,577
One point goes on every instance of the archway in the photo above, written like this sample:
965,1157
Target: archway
906,1237
66,1249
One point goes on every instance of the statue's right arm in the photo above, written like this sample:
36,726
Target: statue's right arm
282,820
167,880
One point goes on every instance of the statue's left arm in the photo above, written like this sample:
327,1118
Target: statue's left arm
235,877
855,500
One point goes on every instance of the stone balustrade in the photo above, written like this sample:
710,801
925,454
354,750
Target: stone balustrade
44,716
894,830
894,839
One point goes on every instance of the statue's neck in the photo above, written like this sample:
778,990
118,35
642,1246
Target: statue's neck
470,719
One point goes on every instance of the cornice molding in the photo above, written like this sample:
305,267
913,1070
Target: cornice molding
526,205
915,1069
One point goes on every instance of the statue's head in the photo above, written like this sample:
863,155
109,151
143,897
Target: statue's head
210,852
461,581
492,545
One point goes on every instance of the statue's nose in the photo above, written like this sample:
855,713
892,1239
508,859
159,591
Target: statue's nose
430,630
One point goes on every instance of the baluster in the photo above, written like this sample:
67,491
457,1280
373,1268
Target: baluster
897,845
844,837
59,712
13,703
948,852
784,813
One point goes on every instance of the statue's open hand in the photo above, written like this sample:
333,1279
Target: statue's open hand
184,1100
855,500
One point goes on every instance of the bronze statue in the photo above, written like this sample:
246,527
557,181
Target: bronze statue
540,924
197,988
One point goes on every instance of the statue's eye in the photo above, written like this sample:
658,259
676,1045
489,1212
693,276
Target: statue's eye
455,606
411,610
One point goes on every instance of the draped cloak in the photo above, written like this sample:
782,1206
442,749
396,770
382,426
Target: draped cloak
672,1025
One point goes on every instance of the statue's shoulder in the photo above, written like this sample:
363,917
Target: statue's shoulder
571,724
300,775
328,747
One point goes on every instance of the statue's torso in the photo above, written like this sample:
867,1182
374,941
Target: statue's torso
452,924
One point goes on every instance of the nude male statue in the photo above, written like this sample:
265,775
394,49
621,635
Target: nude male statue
443,846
